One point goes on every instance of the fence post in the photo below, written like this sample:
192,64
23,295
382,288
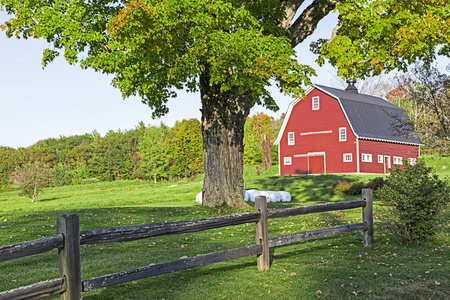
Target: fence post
69,255
262,235
367,196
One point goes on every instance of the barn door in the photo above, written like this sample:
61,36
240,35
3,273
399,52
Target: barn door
316,163
387,164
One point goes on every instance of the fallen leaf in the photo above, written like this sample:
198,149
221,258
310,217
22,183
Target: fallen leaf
356,293
318,292
437,283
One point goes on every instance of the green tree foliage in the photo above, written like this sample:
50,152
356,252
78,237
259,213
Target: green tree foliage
373,36
415,197
155,154
61,175
113,155
9,159
186,148
256,128
30,179
229,52
80,173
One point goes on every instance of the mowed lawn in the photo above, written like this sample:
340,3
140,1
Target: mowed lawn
336,267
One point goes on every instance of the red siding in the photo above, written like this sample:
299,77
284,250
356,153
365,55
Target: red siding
303,119
317,144
384,149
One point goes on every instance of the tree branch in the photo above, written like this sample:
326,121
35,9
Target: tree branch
307,22
290,11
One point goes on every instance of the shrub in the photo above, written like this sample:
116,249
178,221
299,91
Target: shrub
376,183
415,197
61,175
356,188
30,179
340,188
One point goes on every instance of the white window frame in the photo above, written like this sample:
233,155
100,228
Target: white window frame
342,134
287,161
366,157
348,157
291,138
380,159
315,103
412,161
398,160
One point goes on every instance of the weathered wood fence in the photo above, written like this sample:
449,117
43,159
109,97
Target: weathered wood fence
69,238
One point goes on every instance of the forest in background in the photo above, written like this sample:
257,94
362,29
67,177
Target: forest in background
145,152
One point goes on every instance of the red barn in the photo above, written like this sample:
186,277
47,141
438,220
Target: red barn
342,131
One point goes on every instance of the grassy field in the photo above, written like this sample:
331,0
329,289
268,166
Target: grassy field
337,267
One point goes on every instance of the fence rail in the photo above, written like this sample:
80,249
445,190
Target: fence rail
69,239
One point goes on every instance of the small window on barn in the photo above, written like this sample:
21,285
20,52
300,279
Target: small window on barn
412,161
397,160
288,161
380,159
366,157
347,157
342,134
291,138
315,103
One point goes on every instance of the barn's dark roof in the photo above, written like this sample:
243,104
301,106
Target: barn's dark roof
374,118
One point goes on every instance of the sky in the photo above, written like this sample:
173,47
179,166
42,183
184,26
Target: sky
64,100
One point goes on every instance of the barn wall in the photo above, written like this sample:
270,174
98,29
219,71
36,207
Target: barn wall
307,125
385,149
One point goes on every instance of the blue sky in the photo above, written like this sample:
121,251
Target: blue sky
36,104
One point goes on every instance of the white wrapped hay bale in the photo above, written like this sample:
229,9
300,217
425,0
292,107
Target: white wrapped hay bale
251,195
274,196
199,198
285,196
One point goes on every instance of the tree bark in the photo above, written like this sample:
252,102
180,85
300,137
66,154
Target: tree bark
223,120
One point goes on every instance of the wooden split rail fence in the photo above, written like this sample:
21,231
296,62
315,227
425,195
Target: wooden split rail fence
69,238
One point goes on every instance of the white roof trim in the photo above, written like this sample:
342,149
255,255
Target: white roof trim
288,114
389,141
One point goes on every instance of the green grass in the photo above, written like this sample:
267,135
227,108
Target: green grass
337,267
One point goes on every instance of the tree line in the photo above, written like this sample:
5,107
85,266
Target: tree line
145,152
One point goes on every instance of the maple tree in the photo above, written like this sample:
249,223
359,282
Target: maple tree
228,50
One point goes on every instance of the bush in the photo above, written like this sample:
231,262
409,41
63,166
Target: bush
61,175
340,188
356,188
415,197
376,183
30,179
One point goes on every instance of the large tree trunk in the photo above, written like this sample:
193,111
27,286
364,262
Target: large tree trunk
223,120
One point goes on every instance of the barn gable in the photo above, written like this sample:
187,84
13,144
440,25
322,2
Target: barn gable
369,117
374,118
340,131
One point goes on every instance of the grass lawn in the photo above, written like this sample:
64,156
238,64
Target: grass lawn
337,267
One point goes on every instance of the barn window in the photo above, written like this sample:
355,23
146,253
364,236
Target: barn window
412,161
397,160
291,138
347,157
380,159
288,161
315,103
366,157
342,134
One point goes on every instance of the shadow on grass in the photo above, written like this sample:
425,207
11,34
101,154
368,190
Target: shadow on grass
315,189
